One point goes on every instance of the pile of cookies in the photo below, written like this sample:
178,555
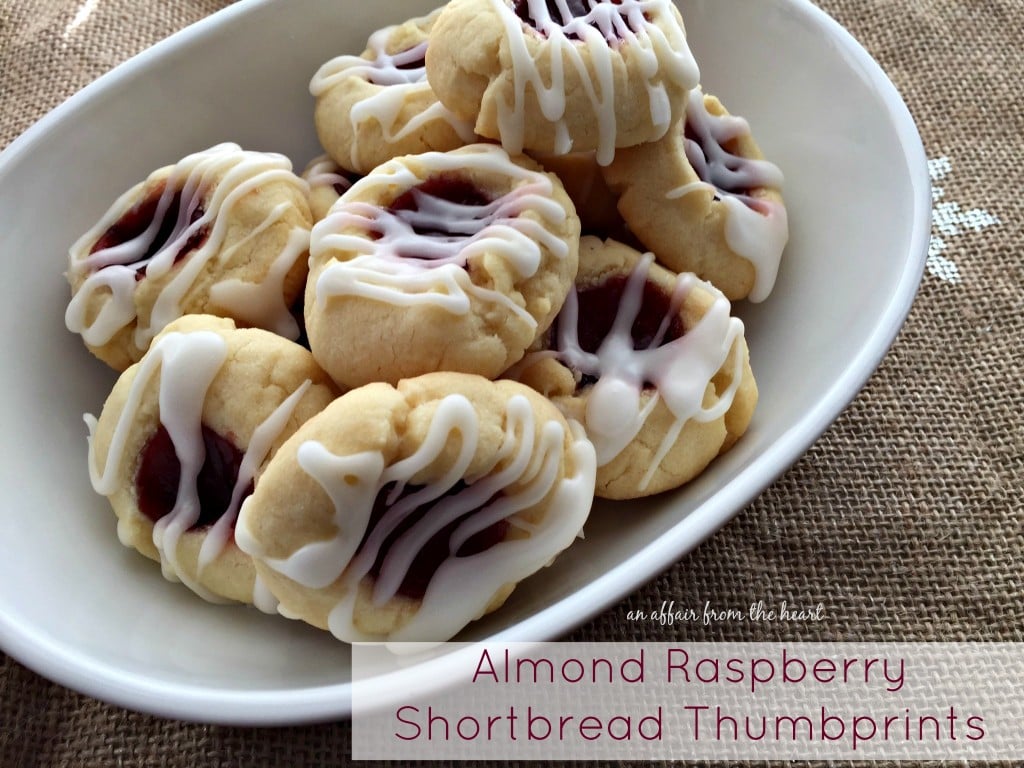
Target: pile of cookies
377,395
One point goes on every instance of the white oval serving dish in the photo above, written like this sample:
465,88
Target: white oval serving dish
82,610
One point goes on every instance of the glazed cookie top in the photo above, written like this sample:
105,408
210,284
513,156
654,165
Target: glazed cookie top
444,217
327,182
719,149
322,171
393,72
565,54
186,430
437,495
440,261
632,335
173,230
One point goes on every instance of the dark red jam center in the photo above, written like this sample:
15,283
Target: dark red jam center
703,171
598,307
387,68
446,205
437,548
449,187
411,61
137,220
160,472
576,9
348,178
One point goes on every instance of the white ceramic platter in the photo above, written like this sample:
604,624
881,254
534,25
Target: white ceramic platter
82,610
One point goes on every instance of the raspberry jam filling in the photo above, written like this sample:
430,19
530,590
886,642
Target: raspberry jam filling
445,206
576,9
159,474
552,17
136,221
405,67
657,321
729,178
345,180
437,549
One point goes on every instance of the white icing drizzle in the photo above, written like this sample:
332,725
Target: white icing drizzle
401,76
262,304
679,370
262,440
404,267
262,598
461,587
756,228
322,171
663,56
186,364
210,184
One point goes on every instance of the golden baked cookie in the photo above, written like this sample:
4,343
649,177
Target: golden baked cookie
327,182
185,434
651,363
377,106
571,76
222,232
403,513
706,201
451,261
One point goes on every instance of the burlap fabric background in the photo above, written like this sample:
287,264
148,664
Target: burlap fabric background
905,520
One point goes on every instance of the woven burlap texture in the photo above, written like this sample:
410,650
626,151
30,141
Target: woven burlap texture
904,520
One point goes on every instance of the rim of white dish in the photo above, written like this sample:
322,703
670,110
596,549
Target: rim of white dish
66,666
